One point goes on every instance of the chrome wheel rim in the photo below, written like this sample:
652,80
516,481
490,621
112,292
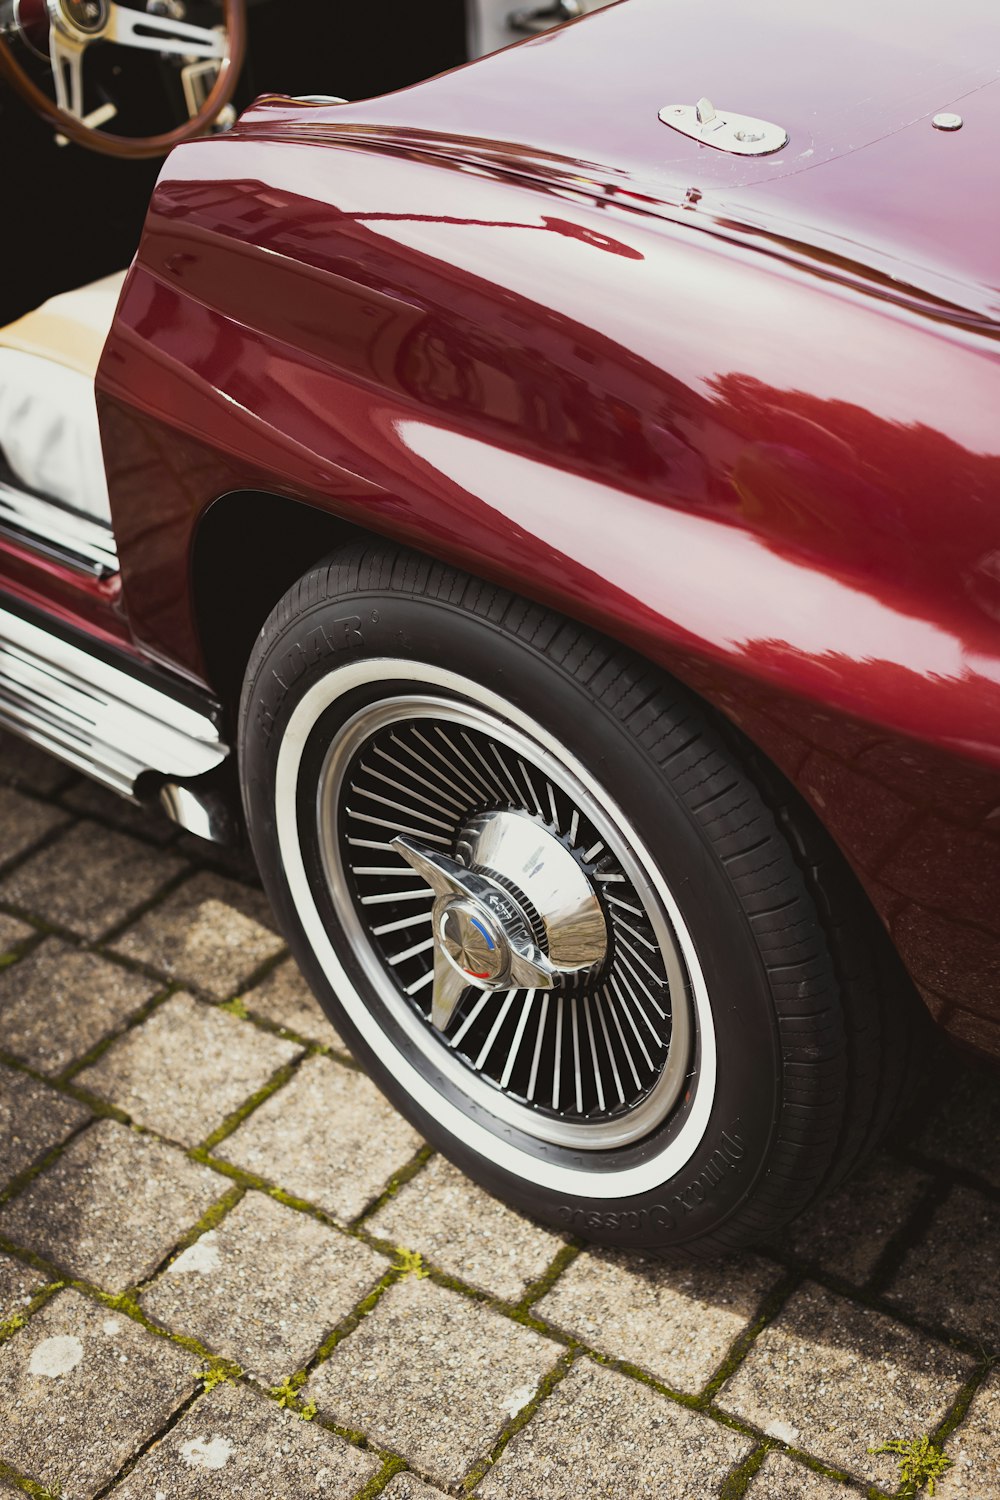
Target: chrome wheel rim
600,1058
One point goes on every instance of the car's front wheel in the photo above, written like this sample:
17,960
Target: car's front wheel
554,916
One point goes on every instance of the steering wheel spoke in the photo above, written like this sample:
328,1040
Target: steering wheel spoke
74,25
66,56
137,28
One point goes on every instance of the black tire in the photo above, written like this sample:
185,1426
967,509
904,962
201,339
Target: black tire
813,1020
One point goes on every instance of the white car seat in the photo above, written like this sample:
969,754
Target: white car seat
48,416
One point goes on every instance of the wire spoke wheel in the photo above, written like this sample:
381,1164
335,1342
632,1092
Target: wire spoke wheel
594,950
596,1051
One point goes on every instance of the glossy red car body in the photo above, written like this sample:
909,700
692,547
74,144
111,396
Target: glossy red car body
741,414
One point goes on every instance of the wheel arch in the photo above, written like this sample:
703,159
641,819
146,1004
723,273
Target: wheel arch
234,587
231,605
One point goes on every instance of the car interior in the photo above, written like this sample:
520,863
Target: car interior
75,212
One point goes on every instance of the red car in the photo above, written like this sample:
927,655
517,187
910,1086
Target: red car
554,509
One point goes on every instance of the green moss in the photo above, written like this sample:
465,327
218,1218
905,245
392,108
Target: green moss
738,1481
286,1393
741,1345
403,1176
537,1289
382,1479
287,1396
921,1462
546,1386
97,1051
411,1263
20,1182
28,1486
232,1121
218,1372
236,1007
347,1325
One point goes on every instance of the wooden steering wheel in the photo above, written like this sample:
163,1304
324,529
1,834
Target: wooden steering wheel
62,30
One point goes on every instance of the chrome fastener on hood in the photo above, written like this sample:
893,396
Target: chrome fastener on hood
741,135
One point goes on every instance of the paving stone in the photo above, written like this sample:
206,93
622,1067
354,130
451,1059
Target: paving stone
974,1449
33,1119
781,1478
286,999
433,1376
92,800
409,1487
23,821
328,1136
186,1068
12,932
18,1284
847,1233
965,1131
466,1232
226,859
234,1444
210,932
81,1389
602,1434
676,1320
837,1379
111,1206
950,1276
59,1002
266,1287
89,879
22,764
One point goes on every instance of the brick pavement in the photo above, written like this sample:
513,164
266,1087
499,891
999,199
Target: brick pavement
228,1268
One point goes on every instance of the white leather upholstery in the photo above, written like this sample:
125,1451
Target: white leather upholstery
48,417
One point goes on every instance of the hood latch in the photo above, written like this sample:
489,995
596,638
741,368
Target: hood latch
739,134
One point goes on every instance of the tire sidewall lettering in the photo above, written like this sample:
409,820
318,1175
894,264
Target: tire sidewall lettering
727,1157
321,642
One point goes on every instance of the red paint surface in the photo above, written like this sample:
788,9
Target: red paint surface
478,317
76,600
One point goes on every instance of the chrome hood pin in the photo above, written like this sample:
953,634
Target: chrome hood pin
741,135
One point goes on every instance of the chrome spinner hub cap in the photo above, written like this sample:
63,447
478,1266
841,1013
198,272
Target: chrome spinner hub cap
508,923
515,909
470,942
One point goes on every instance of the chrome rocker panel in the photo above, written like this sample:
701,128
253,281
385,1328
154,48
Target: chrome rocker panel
66,534
100,718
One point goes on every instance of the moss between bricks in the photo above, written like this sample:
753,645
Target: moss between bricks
921,1462
738,1482
405,1263
28,1486
216,1369
545,1387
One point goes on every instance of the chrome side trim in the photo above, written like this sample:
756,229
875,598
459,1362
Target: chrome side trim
77,539
100,718
203,808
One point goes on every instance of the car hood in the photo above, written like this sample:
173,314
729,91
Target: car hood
865,181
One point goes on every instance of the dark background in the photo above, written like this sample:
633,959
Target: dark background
70,216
